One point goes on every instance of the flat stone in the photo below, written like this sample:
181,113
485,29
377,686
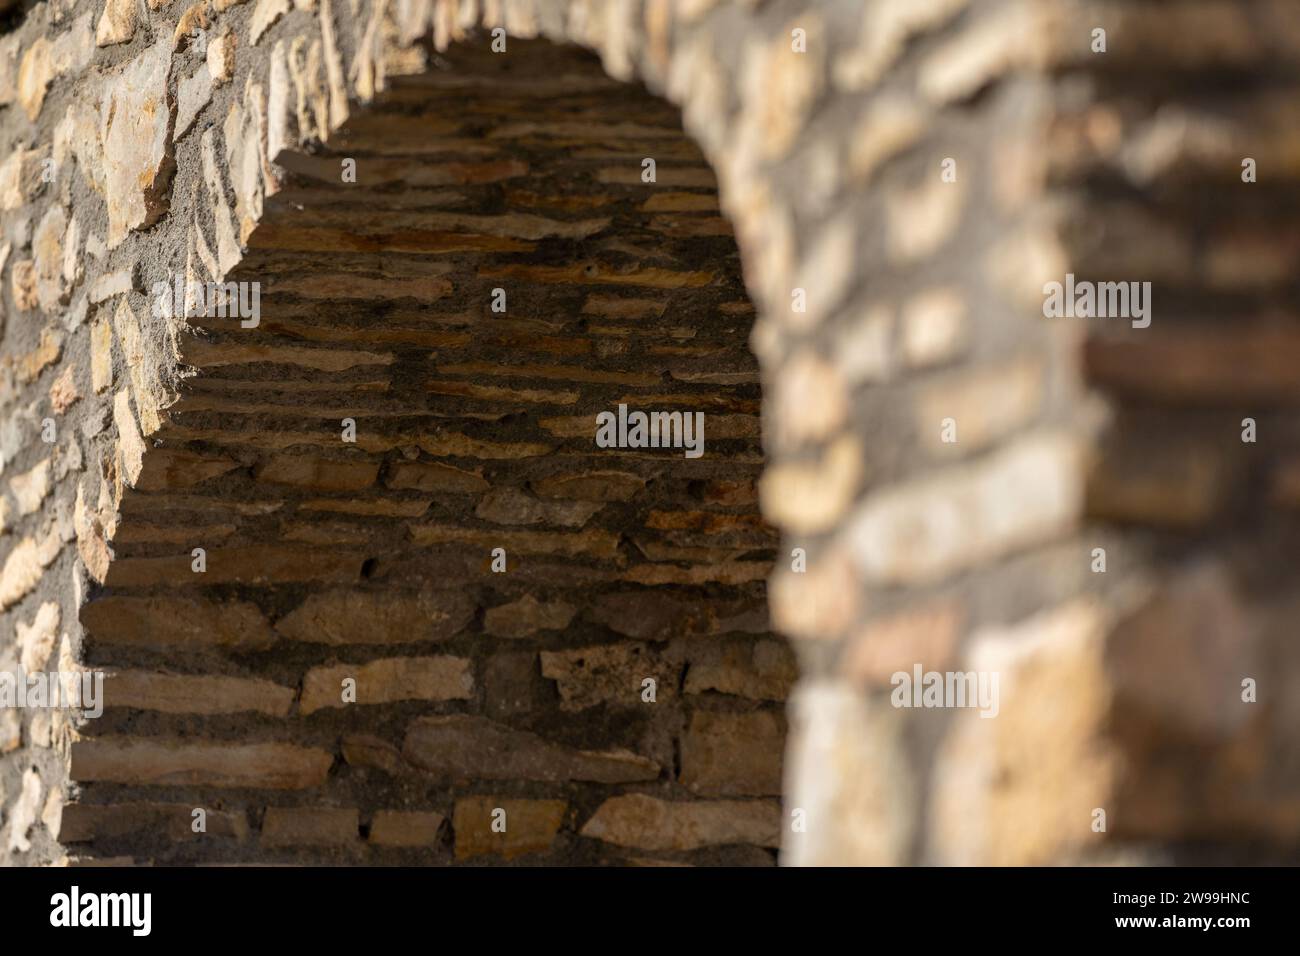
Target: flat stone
733,754
646,823
462,747
343,617
389,680
530,826
136,121
159,762
177,623
527,616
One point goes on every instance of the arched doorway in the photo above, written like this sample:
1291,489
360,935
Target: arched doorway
438,617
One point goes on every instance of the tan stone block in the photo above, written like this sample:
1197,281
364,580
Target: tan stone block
591,486
389,680
184,694
932,327
309,826
986,404
758,670
342,617
647,823
435,477
921,531
396,828
165,762
812,497
922,219
530,826
608,674
461,747
178,623
926,635
30,488
527,616
733,754
81,823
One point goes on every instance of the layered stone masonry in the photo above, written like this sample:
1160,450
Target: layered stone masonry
897,173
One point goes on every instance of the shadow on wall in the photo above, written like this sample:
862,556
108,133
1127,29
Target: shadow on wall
437,619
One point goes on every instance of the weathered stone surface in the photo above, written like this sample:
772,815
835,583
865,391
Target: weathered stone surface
760,670
435,477
389,680
592,486
183,694
511,506
319,473
849,773
462,747
611,674
397,828
527,616
117,24
179,623
264,16
30,488
1025,785
136,125
365,617
813,497
36,640
309,826
644,822
530,826
926,635
728,754
649,615
82,822
1021,495
161,762
130,447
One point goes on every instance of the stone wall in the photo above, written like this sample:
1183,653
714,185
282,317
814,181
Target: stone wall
941,461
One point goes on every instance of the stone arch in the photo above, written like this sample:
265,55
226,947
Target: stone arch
141,143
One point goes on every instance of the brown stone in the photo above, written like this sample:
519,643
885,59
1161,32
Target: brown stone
435,477
397,828
511,506
609,674
177,623
164,762
462,747
309,826
592,486
647,823
389,680
530,826
318,473
759,670
82,822
184,694
733,754
365,617
527,616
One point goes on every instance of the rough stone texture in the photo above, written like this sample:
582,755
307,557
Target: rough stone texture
880,300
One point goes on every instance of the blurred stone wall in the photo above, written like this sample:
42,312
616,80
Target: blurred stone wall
942,461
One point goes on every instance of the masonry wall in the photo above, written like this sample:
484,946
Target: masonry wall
571,635
897,300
